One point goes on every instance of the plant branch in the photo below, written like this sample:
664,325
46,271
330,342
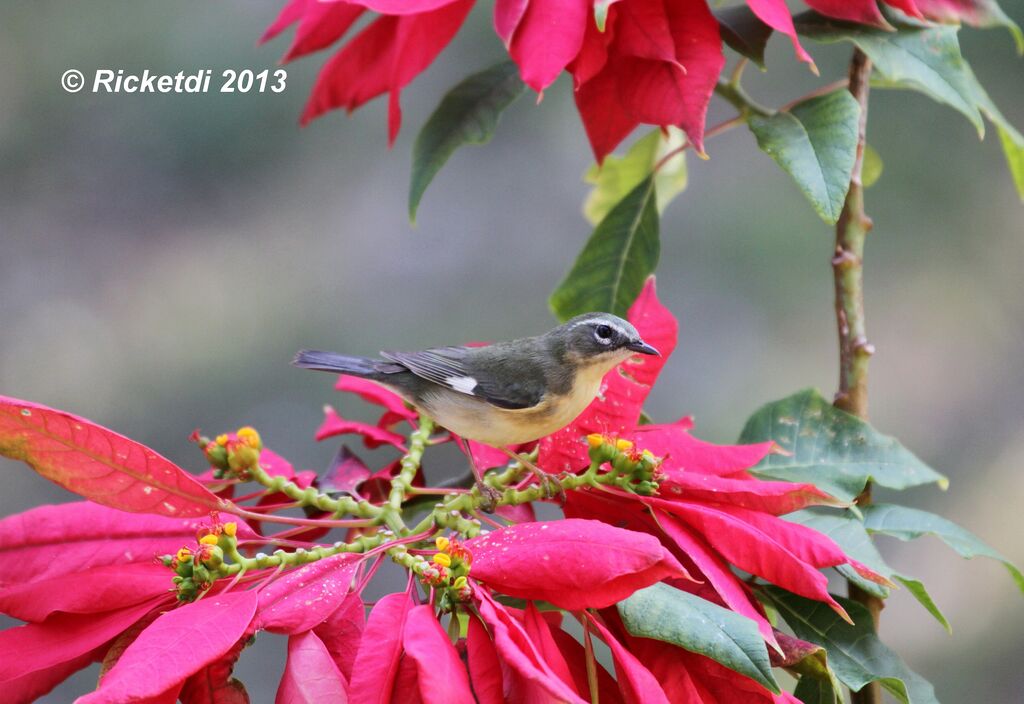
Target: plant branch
854,349
734,94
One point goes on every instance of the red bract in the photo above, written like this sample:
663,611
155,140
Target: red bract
440,675
652,62
176,645
50,541
656,63
373,435
86,579
310,675
384,58
574,564
305,597
99,464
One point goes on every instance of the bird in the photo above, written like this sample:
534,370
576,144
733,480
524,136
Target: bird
506,393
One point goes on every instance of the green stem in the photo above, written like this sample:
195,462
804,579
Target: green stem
734,94
401,484
311,497
854,349
281,558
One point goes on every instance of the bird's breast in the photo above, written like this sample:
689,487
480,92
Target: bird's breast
475,419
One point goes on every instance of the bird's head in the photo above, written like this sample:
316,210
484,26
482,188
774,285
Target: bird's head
600,338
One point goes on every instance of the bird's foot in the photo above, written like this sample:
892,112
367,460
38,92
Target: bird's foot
489,496
550,487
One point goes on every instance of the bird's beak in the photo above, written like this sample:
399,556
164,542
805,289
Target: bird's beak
643,348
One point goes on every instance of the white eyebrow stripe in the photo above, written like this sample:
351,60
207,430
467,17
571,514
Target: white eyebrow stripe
601,321
462,384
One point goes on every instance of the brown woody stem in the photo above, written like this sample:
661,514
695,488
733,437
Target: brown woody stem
854,349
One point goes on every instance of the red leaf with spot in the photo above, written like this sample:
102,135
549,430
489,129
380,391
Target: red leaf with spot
53,540
380,651
574,564
372,435
156,661
517,651
310,674
617,410
441,677
98,463
304,597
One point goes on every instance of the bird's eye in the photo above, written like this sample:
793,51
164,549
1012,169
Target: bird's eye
604,334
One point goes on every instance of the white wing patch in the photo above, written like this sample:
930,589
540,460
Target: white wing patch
462,384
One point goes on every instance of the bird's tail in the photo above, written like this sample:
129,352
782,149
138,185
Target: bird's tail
334,362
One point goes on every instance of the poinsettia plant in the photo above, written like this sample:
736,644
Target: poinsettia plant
676,571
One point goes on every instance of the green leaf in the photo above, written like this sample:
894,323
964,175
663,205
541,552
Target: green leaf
855,652
617,259
816,143
925,59
674,616
910,523
742,30
468,114
872,168
852,536
813,691
620,175
1011,140
1013,147
832,449
918,591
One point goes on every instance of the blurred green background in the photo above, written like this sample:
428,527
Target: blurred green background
162,257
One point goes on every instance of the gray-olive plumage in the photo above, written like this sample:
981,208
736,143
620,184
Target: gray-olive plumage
505,393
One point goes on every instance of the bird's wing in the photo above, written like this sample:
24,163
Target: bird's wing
453,368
